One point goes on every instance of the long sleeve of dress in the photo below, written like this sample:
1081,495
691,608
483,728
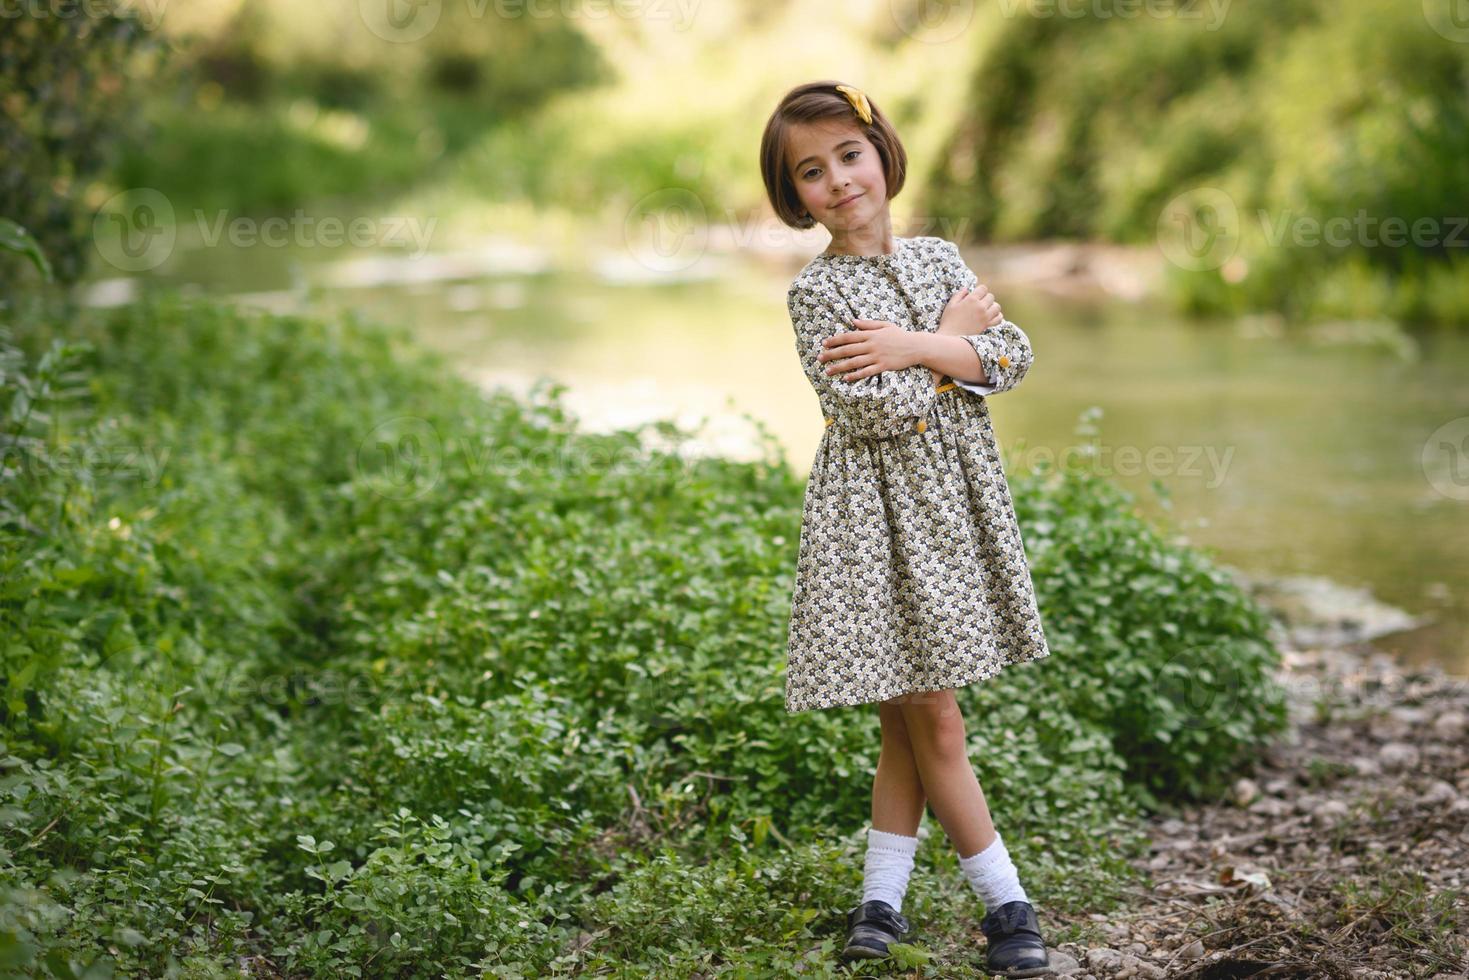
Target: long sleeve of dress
1004,351
879,406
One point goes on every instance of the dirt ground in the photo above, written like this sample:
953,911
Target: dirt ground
1344,855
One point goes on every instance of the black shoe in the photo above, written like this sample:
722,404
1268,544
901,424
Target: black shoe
1016,948
870,927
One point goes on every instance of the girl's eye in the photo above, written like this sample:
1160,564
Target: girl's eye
849,153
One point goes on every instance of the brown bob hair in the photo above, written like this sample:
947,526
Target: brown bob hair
819,101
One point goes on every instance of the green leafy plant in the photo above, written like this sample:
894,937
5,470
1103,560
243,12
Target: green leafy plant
316,657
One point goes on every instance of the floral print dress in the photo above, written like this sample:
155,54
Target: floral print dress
911,574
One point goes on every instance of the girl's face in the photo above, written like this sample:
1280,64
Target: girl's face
837,173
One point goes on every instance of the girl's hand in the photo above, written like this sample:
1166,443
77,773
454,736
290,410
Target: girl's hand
971,311
875,346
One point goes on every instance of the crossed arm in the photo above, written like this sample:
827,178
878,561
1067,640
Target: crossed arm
974,345
881,403
883,391
951,355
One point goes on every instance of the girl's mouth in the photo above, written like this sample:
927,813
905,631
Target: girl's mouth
845,201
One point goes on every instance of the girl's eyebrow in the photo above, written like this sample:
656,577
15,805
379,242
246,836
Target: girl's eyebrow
834,149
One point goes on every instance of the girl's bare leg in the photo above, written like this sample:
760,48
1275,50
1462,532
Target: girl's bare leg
934,729
897,791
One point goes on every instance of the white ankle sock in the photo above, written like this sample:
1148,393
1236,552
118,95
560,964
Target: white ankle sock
992,875
888,864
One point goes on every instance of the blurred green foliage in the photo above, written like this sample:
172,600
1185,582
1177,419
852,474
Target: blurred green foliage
316,657
66,99
280,105
1087,125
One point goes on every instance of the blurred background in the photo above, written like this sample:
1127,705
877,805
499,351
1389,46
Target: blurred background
1234,231
1236,228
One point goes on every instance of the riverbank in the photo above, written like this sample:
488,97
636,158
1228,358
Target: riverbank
1342,855
1079,269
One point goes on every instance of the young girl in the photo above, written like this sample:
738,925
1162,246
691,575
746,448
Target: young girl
911,578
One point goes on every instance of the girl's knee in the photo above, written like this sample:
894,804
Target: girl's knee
894,726
932,720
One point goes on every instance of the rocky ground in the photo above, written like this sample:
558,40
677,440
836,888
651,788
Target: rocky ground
1345,854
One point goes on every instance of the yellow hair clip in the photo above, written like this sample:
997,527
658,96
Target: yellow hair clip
859,102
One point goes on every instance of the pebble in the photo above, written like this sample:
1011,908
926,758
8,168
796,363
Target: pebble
1246,791
1439,792
1278,786
1451,725
1387,727
1395,756
1103,958
1193,951
1269,806
1134,967
1413,717
1331,812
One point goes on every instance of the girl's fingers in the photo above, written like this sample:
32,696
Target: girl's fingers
850,366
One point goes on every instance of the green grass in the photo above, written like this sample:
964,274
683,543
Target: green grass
315,655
